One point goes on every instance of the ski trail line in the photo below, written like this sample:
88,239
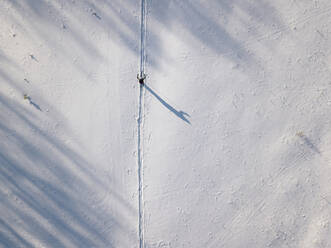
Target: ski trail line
142,37
140,172
139,138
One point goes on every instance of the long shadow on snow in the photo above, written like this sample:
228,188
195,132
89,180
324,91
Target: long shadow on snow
180,114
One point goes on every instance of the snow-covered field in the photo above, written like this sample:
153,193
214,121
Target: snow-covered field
235,137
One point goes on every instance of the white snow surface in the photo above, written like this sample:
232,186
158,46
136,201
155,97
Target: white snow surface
236,144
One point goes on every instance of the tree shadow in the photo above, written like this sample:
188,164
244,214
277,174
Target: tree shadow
50,194
117,18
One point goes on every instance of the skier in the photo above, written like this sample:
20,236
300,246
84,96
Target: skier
141,78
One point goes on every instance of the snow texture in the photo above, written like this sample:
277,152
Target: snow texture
234,131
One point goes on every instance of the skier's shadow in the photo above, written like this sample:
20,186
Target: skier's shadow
181,114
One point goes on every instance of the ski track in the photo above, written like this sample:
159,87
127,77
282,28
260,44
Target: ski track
140,136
